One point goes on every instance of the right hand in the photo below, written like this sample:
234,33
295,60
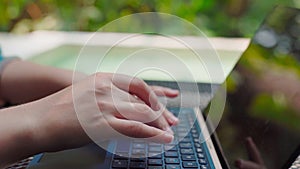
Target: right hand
255,160
103,102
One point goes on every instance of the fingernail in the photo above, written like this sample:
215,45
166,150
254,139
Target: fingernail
157,107
175,119
168,137
171,121
174,91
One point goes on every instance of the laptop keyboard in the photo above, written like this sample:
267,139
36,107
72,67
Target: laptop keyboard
188,153
206,93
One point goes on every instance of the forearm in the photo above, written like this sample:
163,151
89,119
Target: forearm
23,81
18,131
44,125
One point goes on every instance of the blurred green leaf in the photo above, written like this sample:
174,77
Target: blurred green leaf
215,18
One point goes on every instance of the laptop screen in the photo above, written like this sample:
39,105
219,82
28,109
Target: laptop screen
263,94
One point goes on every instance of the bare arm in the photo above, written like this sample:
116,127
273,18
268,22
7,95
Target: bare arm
51,123
23,81
18,128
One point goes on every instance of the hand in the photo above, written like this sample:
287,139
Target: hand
125,104
167,92
255,162
106,104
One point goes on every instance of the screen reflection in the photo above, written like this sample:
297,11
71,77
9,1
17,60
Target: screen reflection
263,95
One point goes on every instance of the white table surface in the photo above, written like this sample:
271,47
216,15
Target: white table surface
36,42
228,50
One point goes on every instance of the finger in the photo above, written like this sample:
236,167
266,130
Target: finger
164,91
137,87
172,120
142,113
121,94
140,130
243,164
253,152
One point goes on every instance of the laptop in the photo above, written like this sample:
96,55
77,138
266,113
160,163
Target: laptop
262,104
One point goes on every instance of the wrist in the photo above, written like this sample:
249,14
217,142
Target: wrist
56,126
18,134
44,129
35,125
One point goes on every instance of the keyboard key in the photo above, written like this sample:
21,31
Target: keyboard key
185,130
172,161
190,164
202,161
123,146
155,145
155,167
188,157
155,149
195,135
121,156
120,164
155,162
172,166
154,155
171,154
187,151
138,159
140,152
185,145
196,140
170,144
138,145
200,155
137,165
199,150
204,167
170,148
194,131
183,124
182,134
185,140
198,145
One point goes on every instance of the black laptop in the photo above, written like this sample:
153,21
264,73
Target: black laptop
263,103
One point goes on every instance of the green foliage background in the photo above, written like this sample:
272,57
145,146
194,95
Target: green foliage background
238,18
